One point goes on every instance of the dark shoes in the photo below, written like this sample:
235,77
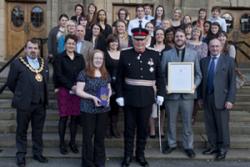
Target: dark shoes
190,153
73,148
210,151
63,149
220,156
126,161
142,161
40,158
20,162
168,150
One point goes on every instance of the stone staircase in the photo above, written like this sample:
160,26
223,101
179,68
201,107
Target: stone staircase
239,126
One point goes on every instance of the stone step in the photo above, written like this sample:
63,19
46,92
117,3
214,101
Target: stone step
7,95
52,140
236,128
6,104
235,115
117,153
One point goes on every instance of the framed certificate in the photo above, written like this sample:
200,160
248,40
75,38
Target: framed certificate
180,77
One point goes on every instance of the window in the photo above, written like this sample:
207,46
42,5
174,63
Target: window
37,17
17,16
245,23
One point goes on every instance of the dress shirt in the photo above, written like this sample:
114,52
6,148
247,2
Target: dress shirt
33,62
79,46
135,23
215,62
148,17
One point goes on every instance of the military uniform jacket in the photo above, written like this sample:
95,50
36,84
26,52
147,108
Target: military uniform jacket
141,66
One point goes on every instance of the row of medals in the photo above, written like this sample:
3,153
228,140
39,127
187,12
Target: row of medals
38,75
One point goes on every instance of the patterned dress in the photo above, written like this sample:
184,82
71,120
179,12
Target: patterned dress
92,85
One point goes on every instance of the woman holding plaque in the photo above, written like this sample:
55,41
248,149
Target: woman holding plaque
94,89
67,66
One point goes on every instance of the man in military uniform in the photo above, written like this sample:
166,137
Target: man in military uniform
139,72
27,79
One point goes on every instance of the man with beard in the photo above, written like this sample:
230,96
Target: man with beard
27,79
138,73
180,102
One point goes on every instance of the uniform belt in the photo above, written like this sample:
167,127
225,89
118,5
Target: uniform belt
139,82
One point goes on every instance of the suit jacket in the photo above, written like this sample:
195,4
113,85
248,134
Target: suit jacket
85,49
224,80
145,66
190,56
52,41
21,81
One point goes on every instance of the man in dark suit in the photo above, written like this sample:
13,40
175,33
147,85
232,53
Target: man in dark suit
218,91
27,79
138,73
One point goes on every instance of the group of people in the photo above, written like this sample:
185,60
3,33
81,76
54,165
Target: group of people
100,70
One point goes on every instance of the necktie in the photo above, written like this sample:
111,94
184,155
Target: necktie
146,17
140,26
210,77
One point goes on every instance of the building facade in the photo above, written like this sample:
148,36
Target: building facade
23,19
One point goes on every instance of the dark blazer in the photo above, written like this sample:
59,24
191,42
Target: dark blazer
52,41
21,81
224,80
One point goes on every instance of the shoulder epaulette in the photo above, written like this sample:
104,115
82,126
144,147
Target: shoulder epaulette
150,48
126,48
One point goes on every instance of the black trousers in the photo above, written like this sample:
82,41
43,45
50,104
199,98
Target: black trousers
216,124
36,115
93,126
136,118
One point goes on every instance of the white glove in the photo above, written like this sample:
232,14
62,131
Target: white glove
120,101
159,100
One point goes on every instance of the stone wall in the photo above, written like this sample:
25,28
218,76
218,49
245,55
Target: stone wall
3,39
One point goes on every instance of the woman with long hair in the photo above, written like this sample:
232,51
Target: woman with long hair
229,50
121,31
94,89
91,16
102,21
96,37
67,66
202,17
159,16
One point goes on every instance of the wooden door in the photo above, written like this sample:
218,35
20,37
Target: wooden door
238,21
24,21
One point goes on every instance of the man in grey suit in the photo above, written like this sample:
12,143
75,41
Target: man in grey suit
180,102
83,47
218,91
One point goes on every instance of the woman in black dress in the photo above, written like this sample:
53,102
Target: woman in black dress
112,58
102,21
67,66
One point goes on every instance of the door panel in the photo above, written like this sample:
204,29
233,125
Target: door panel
239,28
24,21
